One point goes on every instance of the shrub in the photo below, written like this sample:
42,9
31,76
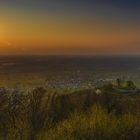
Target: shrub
80,115
97,125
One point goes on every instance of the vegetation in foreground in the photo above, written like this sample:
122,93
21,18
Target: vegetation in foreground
86,114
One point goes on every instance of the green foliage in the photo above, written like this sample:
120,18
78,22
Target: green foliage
122,84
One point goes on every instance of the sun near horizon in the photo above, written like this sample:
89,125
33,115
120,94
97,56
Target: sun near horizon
69,27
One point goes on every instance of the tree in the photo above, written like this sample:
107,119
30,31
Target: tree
118,82
130,84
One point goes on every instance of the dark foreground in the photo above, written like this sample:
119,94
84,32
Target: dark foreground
84,114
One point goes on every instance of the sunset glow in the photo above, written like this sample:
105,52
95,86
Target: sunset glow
45,27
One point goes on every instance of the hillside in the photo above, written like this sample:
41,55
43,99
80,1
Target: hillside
92,113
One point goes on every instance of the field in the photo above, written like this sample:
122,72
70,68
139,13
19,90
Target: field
69,98
66,71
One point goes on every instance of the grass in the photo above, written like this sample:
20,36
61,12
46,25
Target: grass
97,125
80,114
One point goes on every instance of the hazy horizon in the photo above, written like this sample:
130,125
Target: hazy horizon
69,27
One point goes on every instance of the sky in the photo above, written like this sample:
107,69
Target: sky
69,27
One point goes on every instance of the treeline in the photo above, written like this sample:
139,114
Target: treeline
79,115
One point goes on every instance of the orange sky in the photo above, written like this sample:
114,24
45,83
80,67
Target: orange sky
33,32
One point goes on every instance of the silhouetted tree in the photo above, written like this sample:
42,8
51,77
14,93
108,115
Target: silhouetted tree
130,84
118,82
